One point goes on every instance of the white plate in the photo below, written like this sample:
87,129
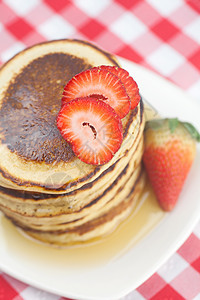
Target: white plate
48,270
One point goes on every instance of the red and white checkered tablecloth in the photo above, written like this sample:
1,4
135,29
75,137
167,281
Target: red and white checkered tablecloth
163,36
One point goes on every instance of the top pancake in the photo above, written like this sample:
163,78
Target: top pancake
33,155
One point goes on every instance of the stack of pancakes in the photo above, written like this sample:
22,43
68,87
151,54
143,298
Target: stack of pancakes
44,188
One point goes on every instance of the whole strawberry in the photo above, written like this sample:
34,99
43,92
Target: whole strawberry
170,147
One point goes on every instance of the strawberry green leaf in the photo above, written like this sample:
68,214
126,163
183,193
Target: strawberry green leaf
173,123
192,130
154,124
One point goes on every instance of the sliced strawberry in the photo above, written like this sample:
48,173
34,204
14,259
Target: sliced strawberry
102,84
129,84
93,129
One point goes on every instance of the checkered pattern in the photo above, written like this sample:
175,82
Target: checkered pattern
163,36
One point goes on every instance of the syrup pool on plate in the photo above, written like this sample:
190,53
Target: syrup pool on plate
145,216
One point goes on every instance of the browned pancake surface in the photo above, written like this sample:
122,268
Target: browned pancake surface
31,104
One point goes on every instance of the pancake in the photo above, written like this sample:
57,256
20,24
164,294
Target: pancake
50,219
48,205
33,155
100,222
44,188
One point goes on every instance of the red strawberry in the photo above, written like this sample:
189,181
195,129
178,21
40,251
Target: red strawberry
169,153
129,84
102,84
93,129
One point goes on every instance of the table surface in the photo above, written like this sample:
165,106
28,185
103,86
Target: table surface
163,36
